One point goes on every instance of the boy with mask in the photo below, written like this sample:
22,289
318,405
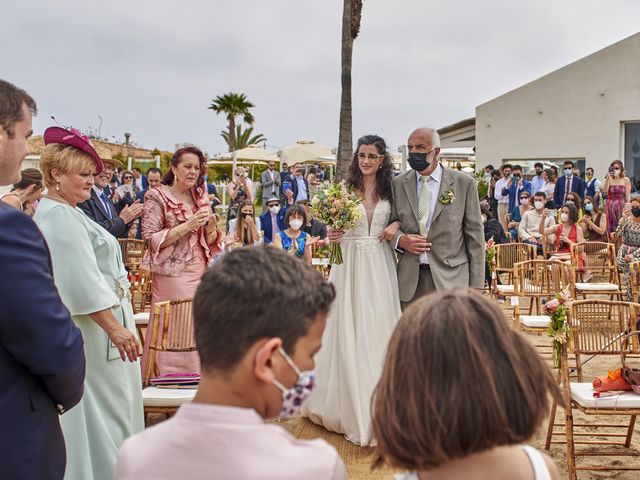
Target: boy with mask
529,228
257,363
515,186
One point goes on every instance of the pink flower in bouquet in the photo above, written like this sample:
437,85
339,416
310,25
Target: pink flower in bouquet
553,305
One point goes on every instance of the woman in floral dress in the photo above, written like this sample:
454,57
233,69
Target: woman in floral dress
629,232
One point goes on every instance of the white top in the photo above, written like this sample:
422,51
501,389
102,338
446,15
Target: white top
500,185
530,224
233,229
540,470
205,441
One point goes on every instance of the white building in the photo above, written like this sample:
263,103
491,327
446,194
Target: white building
587,111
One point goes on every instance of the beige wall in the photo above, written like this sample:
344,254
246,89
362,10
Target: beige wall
574,112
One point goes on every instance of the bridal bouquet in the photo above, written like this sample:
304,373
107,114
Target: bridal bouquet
337,206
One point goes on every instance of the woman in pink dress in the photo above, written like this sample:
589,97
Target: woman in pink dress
618,188
183,236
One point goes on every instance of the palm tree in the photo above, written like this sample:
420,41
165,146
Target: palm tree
351,15
244,138
233,105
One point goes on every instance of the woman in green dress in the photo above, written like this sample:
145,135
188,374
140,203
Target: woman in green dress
92,282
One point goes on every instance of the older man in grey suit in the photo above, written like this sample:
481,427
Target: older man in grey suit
441,239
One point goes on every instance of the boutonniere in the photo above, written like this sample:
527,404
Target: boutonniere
447,197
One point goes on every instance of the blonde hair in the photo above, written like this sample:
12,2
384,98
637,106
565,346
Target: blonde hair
64,158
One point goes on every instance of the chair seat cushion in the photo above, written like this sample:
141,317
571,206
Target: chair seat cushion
582,393
528,288
597,286
535,321
142,318
167,397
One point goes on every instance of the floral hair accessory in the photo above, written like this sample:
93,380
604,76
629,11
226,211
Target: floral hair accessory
74,138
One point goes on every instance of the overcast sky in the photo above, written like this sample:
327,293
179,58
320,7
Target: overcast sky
151,67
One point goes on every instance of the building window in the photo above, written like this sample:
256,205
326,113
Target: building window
631,149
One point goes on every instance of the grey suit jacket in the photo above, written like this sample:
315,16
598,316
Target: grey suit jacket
268,185
457,253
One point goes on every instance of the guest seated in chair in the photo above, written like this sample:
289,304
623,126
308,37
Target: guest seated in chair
529,228
257,363
566,234
629,231
472,416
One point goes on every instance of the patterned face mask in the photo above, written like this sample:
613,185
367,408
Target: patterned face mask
294,397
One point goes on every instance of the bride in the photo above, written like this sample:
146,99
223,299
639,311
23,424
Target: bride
367,305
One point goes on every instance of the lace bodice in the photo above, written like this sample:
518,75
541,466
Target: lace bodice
379,221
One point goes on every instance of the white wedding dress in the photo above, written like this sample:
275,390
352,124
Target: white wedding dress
359,326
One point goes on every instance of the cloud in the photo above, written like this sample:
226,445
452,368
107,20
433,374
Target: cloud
152,67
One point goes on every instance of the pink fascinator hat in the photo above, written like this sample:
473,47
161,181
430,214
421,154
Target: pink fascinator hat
74,138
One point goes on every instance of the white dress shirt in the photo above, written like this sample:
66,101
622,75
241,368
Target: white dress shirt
434,191
500,185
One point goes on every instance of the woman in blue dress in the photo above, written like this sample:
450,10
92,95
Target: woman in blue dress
293,239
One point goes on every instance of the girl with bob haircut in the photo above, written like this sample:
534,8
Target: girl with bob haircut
460,392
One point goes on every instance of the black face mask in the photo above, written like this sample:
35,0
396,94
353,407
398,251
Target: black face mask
418,161
245,215
635,211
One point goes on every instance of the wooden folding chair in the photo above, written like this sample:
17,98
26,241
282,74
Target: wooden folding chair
132,251
634,280
506,256
141,282
598,327
171,331
600,259
537,280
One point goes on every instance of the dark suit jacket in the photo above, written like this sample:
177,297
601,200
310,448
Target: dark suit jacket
265,223
577,186
94,208
294,187
145,182
316,229
42,362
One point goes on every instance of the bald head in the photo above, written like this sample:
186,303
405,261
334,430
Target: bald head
425,141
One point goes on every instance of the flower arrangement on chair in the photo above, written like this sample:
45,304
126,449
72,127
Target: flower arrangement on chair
559,328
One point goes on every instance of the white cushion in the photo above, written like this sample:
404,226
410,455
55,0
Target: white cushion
582,393
167,397
535,321
142,318
528,288
597,286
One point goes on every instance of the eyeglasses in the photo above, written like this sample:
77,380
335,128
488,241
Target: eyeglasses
524,198
369,156
128,177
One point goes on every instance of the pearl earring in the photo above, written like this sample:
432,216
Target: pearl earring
58,187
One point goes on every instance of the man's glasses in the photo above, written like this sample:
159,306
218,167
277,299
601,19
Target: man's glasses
369,156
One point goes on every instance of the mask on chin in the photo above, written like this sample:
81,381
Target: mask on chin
418,161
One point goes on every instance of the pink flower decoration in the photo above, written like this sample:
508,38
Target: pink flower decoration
553,305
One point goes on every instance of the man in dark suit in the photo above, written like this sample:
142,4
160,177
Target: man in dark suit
154,177
101,209
272,220
142,182
575,184
42,363
299,183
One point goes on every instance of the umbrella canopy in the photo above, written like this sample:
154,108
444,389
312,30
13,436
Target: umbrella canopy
250,154
303,151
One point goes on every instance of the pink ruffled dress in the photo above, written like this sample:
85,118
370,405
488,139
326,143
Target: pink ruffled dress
176,268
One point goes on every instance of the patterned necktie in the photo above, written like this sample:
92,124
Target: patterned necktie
424,205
